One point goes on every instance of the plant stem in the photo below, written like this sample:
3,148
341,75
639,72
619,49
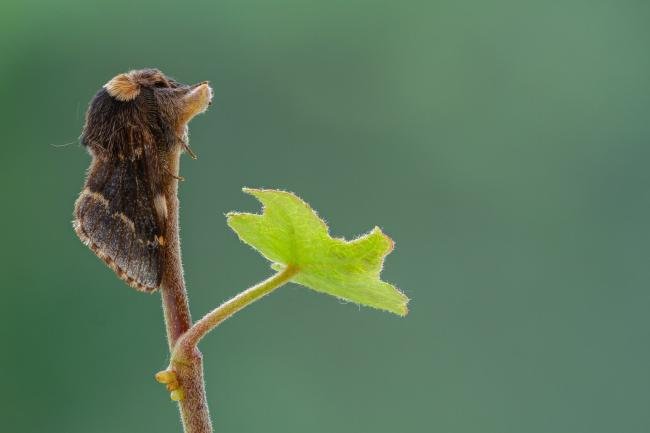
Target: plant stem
182,336
193,407
187,343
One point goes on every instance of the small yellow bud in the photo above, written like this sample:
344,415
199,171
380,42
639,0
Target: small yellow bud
166,376
177,394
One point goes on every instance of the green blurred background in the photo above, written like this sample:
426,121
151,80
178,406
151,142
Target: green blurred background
503,144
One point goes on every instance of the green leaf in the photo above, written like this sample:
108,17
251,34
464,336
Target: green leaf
290,233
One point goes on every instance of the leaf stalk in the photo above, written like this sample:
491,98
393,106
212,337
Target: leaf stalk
187,343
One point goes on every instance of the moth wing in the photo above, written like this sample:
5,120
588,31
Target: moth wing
115,215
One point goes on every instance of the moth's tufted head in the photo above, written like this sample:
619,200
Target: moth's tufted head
142,105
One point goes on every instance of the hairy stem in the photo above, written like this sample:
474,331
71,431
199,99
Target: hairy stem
186,345
193,406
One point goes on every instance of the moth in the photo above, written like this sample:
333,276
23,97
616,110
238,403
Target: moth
134,126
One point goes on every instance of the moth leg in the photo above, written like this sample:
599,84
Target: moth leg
175,176
189,151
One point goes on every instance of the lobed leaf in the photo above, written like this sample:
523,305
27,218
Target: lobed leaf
288,232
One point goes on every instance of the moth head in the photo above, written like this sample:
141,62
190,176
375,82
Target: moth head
142,105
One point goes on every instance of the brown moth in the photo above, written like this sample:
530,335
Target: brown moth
134,125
